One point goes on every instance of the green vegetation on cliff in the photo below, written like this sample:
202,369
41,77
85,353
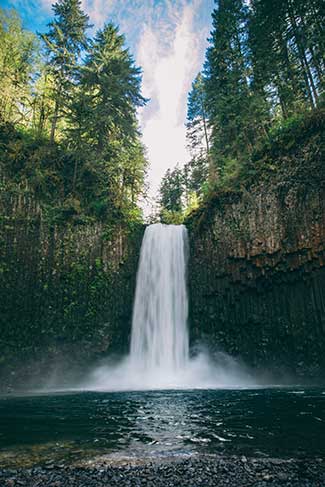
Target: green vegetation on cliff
262,81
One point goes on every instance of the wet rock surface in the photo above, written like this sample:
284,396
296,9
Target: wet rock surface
200,471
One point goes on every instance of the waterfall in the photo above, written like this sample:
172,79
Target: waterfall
159,352
159,340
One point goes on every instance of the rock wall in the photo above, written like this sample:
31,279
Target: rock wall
66,291
257,269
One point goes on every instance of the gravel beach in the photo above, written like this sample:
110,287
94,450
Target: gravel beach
195,471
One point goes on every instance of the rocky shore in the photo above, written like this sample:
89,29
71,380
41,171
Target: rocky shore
204,471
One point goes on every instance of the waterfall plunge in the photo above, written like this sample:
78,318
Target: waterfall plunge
159,353
159,339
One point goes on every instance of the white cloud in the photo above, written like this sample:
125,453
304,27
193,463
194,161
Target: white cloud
46,5
98,10
167,76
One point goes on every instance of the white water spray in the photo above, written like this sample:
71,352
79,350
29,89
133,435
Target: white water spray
159,354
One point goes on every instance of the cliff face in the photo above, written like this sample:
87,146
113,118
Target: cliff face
66,291
256,275
257,267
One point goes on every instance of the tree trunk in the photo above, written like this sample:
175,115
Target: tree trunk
282,101
314,58
41,119
206,134
320,29
213,173
75,170
311,89
285,55
54,121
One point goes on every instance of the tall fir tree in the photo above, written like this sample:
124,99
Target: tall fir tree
171,191
197,117
231,111
111,88
196,170
287,49
65,42
103,116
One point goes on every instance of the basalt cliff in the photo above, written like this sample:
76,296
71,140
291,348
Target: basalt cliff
257,264
66,292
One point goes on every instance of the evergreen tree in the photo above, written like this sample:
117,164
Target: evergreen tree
17,68
196,171
88,93
231,113
197,119
110,89
287,49
171,191
65,41
265,63
196,176
103,117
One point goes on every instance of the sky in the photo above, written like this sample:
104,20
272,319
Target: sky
168,40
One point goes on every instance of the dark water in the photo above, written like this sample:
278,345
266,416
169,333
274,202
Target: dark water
73,426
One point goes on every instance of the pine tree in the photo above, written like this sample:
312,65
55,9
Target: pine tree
311,20
103,116
197,134
227,71
287,49
65,42
171,191
110,87
197,119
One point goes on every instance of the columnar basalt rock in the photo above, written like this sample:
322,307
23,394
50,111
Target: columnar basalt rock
257,274
66,290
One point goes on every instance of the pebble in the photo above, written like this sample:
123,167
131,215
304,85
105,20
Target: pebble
207,471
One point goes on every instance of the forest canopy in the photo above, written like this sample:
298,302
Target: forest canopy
69,133
263,75
68,126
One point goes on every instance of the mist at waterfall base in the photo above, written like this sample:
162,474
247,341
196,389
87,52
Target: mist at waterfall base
159,355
